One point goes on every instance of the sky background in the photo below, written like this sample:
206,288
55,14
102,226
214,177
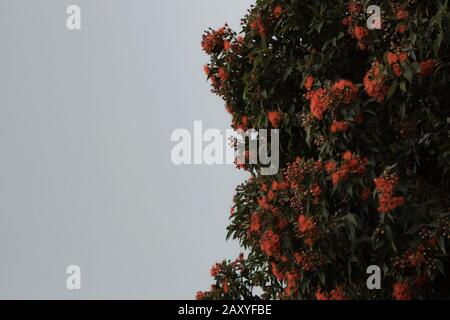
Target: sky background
86,176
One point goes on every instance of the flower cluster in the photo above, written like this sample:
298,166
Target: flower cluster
339,126
308,230
395,60
213,41
274,118
309,261
385,187
402,291
336,294
270,243
351,164
427,68
303,178
411,259
322,99
257,24
356,25
374,82
345,91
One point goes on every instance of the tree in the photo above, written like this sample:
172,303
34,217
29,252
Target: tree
364,120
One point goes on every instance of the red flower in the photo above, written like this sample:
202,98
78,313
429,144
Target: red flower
320,101
278,11
346,90
305,224
330,166
270,196
257,24
263,203
355,7
215,269
401,14
374,83
339,126
391,57
201,295
212,41
309,81
427,68
360,32
402,291
401,28
279,185
206,69
385,187
223,75
255,224
274,118
320,296
336,294
347,155
347,21
270,243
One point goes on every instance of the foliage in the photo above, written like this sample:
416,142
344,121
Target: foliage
364,145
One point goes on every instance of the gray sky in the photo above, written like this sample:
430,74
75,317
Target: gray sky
85,171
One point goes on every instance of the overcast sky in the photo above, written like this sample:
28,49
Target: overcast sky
86,176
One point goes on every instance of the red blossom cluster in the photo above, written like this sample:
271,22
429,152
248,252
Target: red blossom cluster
336,294
355,9
350,164
322,99
215,269
270,243
427,68
412,258
402,291
292,279
395,59
385,188
375,83
213,41
277,11
345,91
308,229
309,261
304,190
257,24
339,126
240,124
309,82
255,223
274,118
